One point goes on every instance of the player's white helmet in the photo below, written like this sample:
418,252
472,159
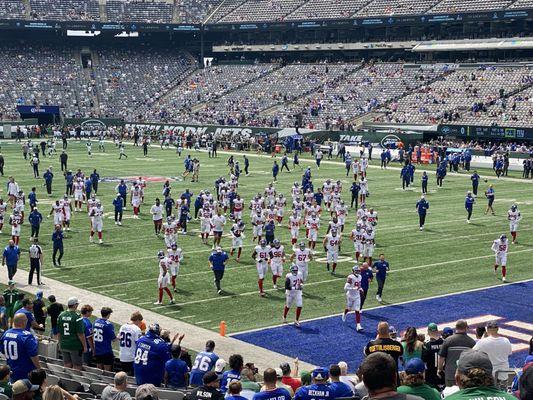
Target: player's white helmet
93,196
294,269
301,245
356,270
160,254
296,184
276,243
263,243
503,238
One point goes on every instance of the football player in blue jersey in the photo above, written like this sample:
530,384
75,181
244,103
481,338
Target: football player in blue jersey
151,355
204,361
319,388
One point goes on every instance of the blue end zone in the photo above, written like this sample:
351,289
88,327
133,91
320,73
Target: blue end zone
329,340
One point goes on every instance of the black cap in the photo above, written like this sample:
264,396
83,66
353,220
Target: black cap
210,377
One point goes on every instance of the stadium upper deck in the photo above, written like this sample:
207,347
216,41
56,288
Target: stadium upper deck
231,11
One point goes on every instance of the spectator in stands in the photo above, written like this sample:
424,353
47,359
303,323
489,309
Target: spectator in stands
379,371
54,309
234,391
236,363
497,347
20,348
146,392
474,378
430,355
413,381
155,353
103,338
451,349
248,382
412,347
384,343
3,314
318,384
86,313
5,385
27,309
24,390
209,389
38,377
72,335
341,389
289,377
270,389
10,297
39,309
117,391
55,392
525,390
344,376
176,370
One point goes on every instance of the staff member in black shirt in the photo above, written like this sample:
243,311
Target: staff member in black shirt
355,194
36,261
63,157
53,310
39,308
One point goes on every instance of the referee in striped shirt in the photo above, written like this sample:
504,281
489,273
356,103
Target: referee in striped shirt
36,261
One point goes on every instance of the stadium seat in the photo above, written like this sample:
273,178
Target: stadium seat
170,395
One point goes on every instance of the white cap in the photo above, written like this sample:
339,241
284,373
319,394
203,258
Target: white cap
220,365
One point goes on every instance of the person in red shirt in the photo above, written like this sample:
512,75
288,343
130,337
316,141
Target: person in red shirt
288,378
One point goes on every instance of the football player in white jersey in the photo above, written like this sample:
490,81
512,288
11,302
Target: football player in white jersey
169,231
78,194
128,335
327,188
175,256
157,216
270,193
16,220
277,258
355,169
372,217
293,293
294,226
205,222
353,290
358,237
500,247
237,236
363,166
369,245
281,202
258,222
301,257
313,224
334,224
342,211
164,278
298,206
514,217
238,206
295,191
136,199
97,214
261,255
20,202
67,211
3,208
363,191
332,246
57,211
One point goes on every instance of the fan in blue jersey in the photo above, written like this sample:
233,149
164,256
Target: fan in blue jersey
151,354
104,336
270,390
204,361
236,363
20,348
319,388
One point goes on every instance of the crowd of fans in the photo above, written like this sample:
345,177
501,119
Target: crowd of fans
449,363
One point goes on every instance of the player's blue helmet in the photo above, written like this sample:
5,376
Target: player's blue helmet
514,207
160,254
174,246
503,238
294,269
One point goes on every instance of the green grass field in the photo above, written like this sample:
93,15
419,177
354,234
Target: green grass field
449,256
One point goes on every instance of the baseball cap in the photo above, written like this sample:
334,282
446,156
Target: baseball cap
279,372
447,332
72,301
470,359
320,374
23,386
210,377
218,249
415,366
529,359
433,327
220,365
492,324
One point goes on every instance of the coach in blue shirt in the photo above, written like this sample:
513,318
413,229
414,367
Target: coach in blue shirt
11,258
422,207
217,262
380,267
35,219
48,177
366,277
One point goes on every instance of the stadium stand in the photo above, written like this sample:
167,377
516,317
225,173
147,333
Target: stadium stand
461,96
396,7
314,9
12,9
65,10
157,12
262,10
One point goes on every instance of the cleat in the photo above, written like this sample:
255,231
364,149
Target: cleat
284,320
359,328
275,286
504,280
262,294
175,290
467,221
157,303
172,301
116,223
297,323
343,317
378,298
100,241
421,228
91,239
219,292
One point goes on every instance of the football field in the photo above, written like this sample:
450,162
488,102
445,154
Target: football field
447,257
